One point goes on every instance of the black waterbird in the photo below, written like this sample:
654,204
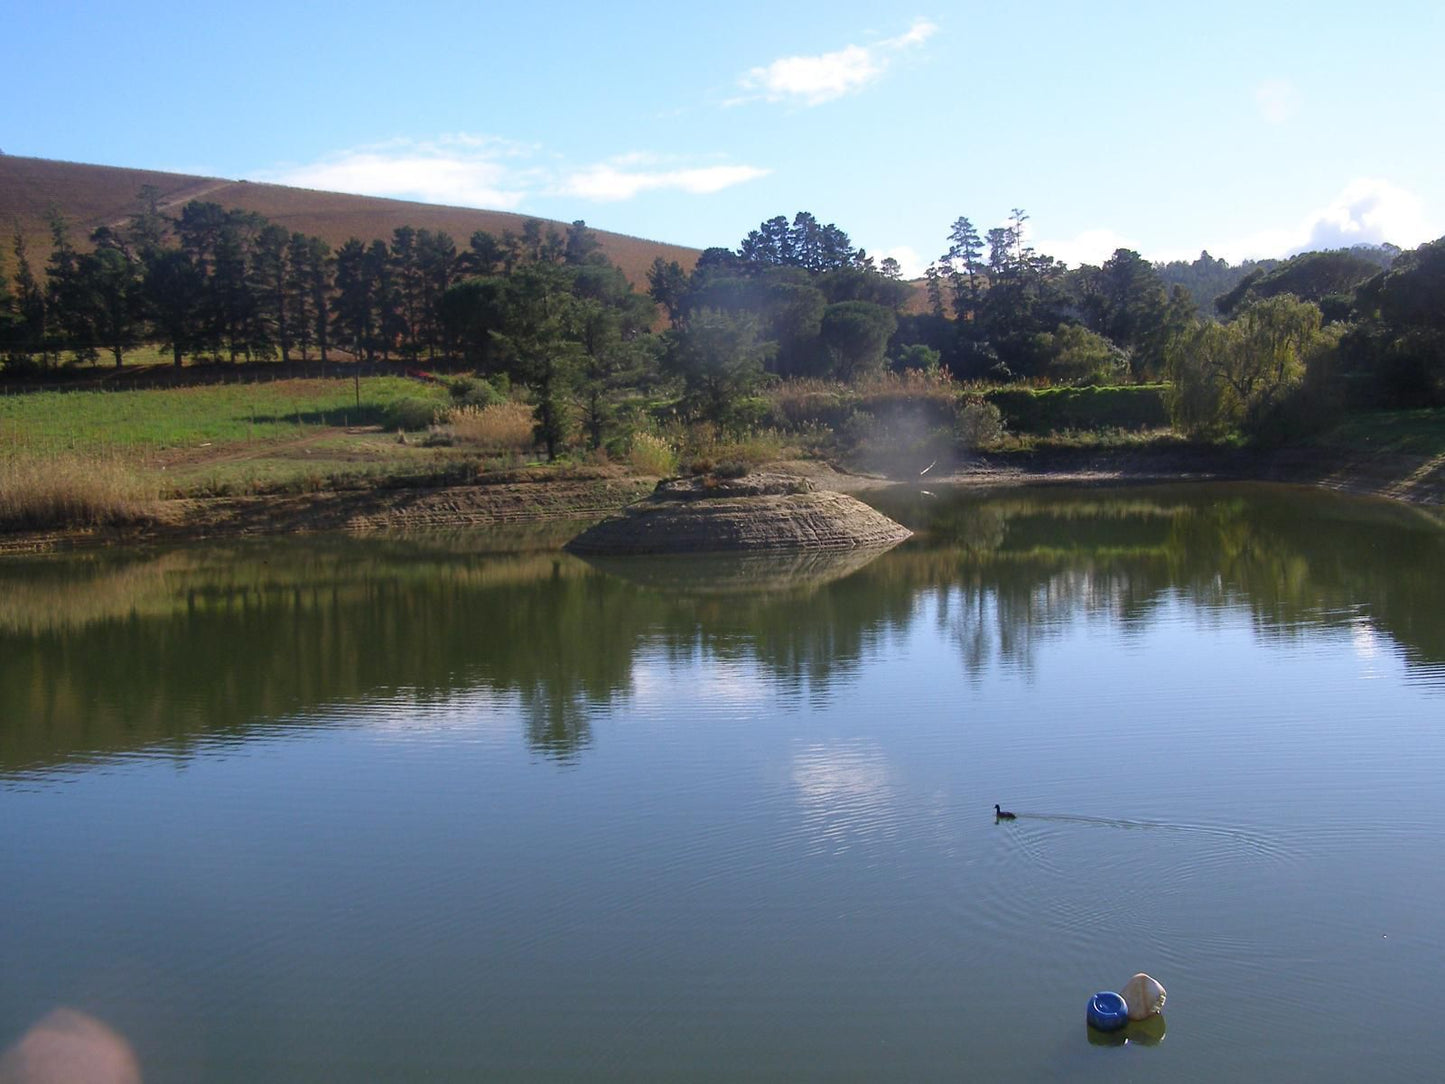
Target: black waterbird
1002,814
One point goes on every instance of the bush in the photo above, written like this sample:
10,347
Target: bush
471,391
1136,406
978,424
410,413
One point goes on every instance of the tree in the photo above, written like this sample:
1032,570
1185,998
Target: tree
537,342
484,255
352,307
1081,356
964,268
388,326
63,318
148,227
1126,301
9,318
580,245
31,309
855,335
1240,374
273,315
406,270
106,301
1310,276
935,290
1398,351
437,262
667,283
719,356
173,292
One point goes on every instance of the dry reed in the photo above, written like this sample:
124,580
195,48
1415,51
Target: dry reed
73,491
500,427
651,455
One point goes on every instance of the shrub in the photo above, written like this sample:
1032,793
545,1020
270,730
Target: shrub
471,391
978,424
1027,410
410,413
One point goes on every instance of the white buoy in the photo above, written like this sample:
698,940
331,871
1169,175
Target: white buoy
1144,995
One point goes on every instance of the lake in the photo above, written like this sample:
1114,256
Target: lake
464,807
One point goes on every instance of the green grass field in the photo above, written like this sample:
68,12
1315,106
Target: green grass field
226,438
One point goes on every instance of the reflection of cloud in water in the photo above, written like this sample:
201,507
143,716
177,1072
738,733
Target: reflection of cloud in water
478,714
660,684
848,793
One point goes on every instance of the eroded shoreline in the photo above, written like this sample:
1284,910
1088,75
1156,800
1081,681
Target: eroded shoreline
537,496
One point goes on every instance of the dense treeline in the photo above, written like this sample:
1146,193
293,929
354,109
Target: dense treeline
1281,343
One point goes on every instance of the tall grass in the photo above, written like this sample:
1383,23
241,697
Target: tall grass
500,427
73,491
650,454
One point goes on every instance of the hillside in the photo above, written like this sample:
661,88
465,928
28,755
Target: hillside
92,196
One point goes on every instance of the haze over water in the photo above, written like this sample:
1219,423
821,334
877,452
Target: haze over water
402,810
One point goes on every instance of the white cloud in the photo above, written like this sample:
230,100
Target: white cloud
481,171
813,80
460,170
847,792
910,264
1277,100
1367,211
609,182
1090,246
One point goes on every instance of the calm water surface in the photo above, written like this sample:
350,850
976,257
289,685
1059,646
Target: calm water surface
411,810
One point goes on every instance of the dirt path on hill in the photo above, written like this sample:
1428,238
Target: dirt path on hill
179,199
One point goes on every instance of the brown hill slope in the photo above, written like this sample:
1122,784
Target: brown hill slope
92,196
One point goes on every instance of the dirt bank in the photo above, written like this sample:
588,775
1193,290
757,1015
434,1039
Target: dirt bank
520,497
527,496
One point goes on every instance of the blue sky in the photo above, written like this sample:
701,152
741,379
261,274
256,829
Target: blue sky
1250,129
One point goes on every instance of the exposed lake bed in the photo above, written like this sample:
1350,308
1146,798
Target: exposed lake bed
401,808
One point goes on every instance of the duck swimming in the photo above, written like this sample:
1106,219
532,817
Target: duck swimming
1002,814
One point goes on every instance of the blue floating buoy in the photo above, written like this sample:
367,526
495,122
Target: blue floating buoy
1108,1011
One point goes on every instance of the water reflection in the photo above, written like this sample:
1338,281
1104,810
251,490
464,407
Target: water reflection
110,653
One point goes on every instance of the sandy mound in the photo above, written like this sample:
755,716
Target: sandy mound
766,511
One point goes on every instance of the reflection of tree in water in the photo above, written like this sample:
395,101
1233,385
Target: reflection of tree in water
103,654
1030,562
196,644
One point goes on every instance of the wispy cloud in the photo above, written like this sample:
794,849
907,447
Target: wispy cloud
619,180
1277,100
481,171
813,80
